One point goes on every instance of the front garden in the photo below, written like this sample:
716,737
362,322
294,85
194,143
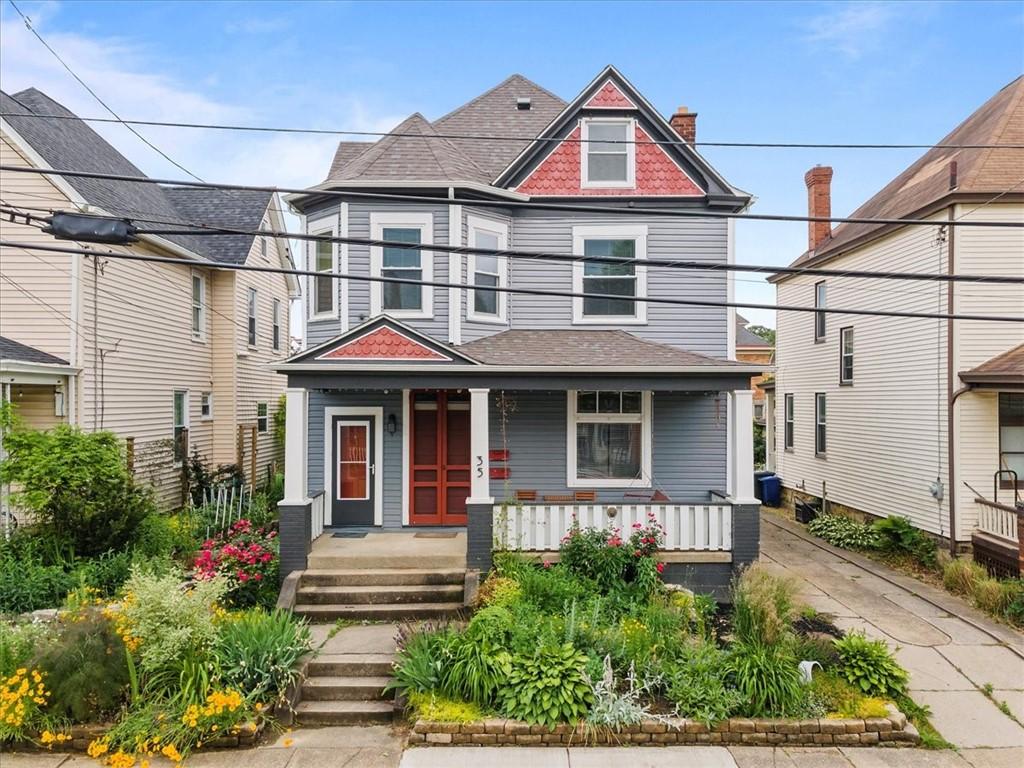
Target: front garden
597,643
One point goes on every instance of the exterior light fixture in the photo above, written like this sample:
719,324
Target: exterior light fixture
392,425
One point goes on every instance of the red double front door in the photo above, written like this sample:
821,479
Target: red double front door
439,481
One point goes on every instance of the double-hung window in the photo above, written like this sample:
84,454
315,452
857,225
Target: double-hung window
323,256
611,272
275,316
402,263
608,152
180,426
1011,436
198,306
789,423
819,424
206,406
846,355
262,417
819,317
609,439
487,271
251,318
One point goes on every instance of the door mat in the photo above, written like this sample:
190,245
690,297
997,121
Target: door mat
439,535
349,534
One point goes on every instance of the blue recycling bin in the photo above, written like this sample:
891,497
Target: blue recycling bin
757,481
771,490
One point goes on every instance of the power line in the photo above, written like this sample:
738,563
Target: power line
505,137
508,203
521,290
117,118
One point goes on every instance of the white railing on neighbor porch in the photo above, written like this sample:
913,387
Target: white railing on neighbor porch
316,514
541,526
997,520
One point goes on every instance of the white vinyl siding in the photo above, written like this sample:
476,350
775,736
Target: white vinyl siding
402,300
608,156
627,279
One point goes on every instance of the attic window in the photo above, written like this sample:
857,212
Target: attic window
523,103
608,152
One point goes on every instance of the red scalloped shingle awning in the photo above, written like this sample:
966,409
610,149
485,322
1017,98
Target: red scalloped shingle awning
382,344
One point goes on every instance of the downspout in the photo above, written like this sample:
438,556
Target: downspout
950,408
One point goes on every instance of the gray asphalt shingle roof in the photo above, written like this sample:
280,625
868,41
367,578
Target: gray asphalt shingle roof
72,145
586,349
23,353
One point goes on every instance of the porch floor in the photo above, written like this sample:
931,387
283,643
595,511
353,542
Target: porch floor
427,549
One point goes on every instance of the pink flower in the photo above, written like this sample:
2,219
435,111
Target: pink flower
660,567
259,576
243,576
547,564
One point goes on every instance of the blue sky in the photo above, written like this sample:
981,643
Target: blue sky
820,72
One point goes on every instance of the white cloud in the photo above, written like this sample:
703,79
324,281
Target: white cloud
851,28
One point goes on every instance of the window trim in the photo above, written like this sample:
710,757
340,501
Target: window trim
425,223
208,397
820,422
252,336
585,182
199,334
264,418
635,232
788,421
475,224
820,317
275,327
644,418
186,424
846,381
1004,482
322,227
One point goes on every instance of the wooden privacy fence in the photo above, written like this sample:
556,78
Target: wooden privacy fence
705,527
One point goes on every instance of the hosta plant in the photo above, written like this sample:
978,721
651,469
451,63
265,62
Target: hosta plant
868,665
548,687
841,531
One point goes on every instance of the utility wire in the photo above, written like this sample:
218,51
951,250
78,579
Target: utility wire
508,203
501,137
117,118
521,290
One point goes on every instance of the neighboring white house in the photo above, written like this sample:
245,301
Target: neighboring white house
902,416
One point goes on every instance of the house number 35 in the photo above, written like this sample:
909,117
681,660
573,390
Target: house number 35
479,466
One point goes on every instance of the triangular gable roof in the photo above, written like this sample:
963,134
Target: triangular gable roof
382,339
609,96
704,177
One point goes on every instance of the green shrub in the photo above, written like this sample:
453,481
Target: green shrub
28,585
1014,611
498,590
475,670
991,595
75,485
764,605
841,531
421,659
493,625
162,535
959,575
258,653
551,589
868,665
86,668
767,679
898,535
548,687
696,684
105,573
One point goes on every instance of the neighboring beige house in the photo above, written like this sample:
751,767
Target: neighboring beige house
751,348
157,353
903,416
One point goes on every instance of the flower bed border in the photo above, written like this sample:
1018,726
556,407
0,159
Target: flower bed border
83,734
891,731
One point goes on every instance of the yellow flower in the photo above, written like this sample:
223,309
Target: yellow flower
288,742
97,748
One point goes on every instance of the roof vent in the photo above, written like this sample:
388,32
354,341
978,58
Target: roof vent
523,103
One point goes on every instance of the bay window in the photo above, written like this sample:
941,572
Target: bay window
617,273
609,439
397,262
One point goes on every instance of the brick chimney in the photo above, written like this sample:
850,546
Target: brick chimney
819,203
685,123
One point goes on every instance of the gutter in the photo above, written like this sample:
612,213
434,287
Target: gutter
492,369
341,185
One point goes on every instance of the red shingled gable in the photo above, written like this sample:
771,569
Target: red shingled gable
382,344
656,173
609,97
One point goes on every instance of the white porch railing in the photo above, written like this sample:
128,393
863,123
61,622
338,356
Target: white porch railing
541,526
316,513
997,520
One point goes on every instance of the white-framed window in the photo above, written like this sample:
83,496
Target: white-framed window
263,246
607,154
819,317
819,424
1011,438
198,306
206,406
251,317
323,257
846,355
628,279
402,299
262,417
179,428
487,271
788,431
609,441
275,316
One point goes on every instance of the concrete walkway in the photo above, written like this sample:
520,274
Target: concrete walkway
953,652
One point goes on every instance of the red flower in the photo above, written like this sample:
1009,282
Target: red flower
660,567
243,576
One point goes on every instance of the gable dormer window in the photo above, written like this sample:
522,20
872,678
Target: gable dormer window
608,156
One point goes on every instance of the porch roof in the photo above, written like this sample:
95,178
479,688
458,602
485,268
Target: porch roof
1006,369
20,363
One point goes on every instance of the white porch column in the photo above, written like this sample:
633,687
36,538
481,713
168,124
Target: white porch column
741,429
296,448
479,441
